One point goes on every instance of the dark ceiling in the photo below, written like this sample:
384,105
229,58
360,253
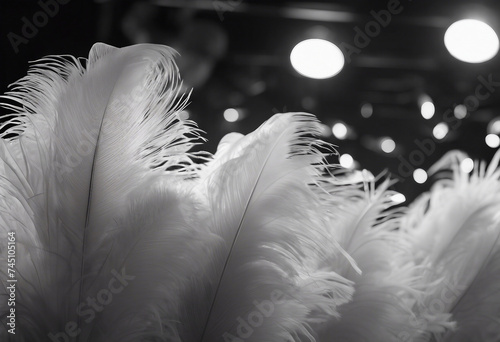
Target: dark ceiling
400,63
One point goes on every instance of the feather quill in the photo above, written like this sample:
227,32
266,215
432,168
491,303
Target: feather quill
88,137
103,183
257,191
120,236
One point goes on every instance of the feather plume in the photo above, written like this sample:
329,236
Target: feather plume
120,236
104,191
364,224
258,193
88,137
455,231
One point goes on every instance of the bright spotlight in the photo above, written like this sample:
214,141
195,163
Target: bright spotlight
339,130
460,111
427,109
346,161
231,115
467,165
420,176
388,145
440,130
471,41
317,58
398,198
492,140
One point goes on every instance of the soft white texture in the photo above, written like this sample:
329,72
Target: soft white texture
455,231
97,180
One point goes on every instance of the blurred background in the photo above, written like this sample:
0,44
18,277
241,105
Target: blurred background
396,84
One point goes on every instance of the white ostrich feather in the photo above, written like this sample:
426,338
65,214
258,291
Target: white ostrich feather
365,225
456,230
100,184
261,204
121,236
88,137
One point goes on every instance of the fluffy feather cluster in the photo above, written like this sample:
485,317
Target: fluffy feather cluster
120,236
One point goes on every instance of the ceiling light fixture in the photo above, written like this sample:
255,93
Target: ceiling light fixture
471,41
317,58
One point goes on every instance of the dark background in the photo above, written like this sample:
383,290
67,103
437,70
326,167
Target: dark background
238,56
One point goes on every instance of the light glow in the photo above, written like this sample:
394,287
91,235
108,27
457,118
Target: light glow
317,58
346,161
398,198
326,131
420,176
440,130
460,112
467,165
494,126
184,115
471,41
388,145
492,140
231,115
427,110
339,130
366,110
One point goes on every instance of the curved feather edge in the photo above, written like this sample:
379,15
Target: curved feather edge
456,229
365,224
257,189
79,139
256,245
